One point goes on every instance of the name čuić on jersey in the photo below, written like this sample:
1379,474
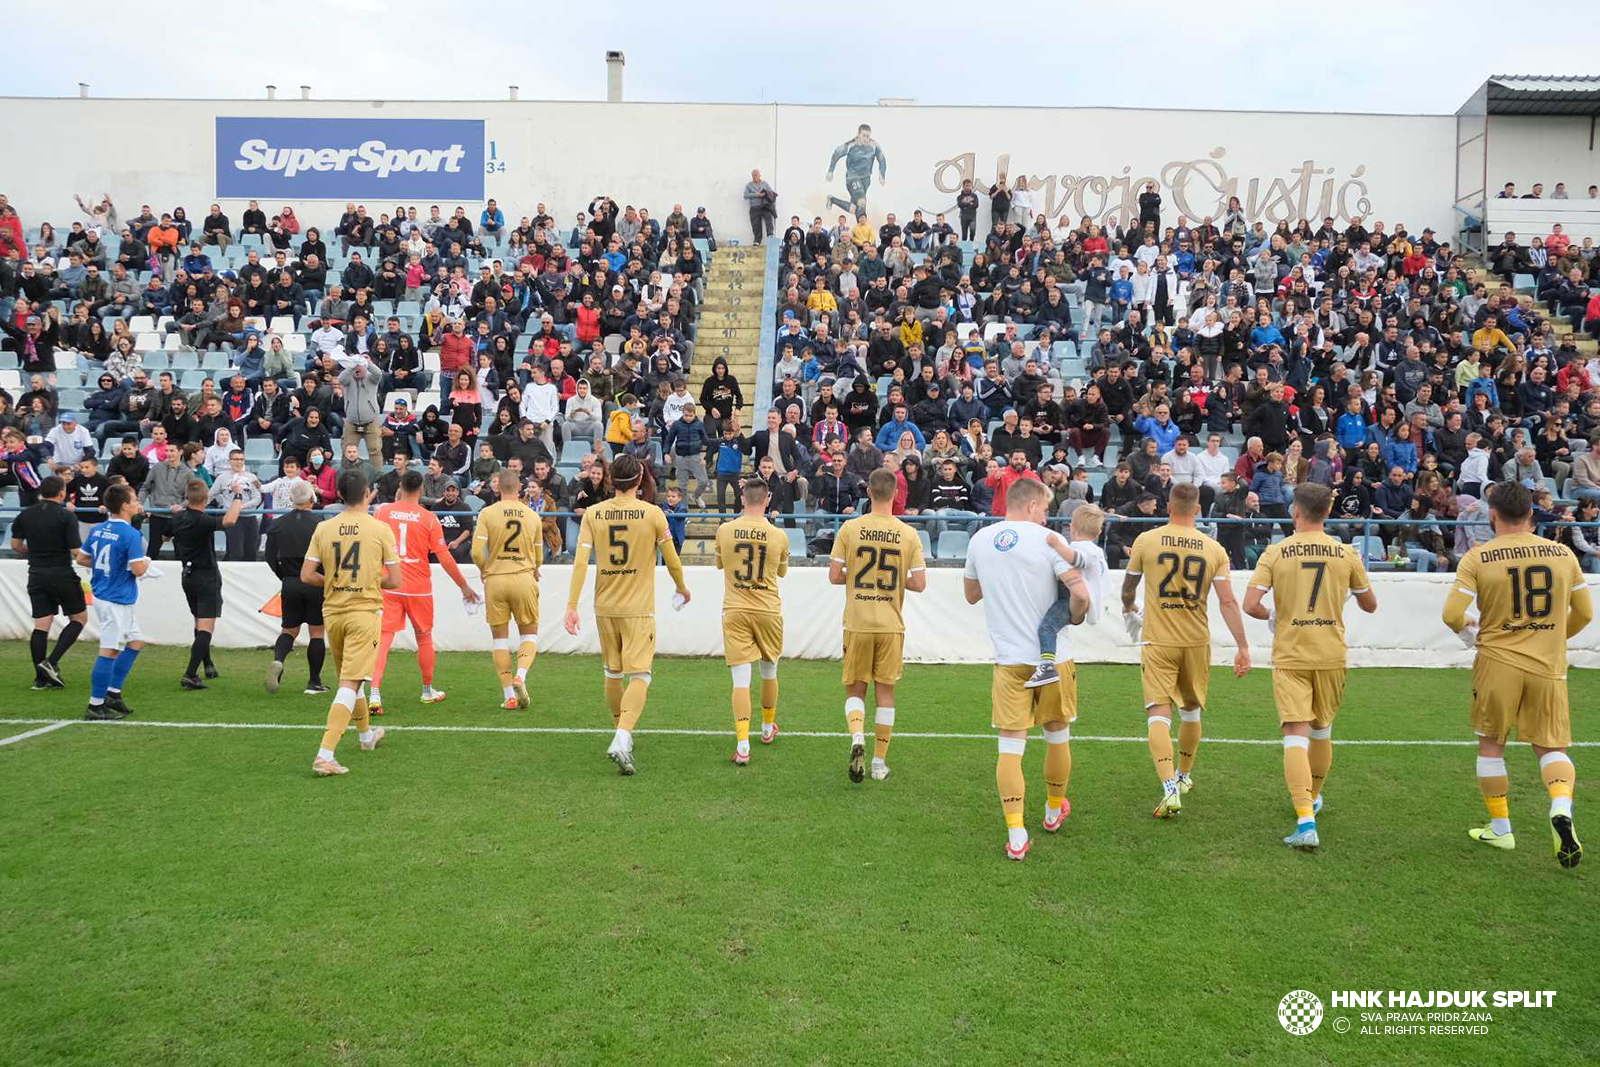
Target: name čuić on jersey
370,157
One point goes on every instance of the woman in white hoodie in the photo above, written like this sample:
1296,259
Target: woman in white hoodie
216,460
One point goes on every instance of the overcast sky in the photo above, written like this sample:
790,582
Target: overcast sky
1354,55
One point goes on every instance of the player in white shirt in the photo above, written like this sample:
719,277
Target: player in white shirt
1013,568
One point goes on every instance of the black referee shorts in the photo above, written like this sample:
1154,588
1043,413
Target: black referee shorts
302,605
53,594
203,590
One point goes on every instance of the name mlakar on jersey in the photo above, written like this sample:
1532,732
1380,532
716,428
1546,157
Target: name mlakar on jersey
1545,551
1310,548
1174,541
888,537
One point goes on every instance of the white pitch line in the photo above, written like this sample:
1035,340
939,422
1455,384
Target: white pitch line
670,731
54,724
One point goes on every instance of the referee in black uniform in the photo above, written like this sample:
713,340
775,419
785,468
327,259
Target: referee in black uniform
193,540
287,540
47,534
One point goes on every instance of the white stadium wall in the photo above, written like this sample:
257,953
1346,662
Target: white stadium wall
941,627
1543,148
1398,168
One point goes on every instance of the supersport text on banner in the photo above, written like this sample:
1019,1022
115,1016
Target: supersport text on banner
349,159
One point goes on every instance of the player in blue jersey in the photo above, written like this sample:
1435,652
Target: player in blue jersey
114,553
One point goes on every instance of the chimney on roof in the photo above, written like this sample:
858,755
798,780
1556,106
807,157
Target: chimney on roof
272,92
512,89
615,61
83,90
305,92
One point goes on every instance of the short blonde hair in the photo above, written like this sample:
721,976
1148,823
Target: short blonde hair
1088,520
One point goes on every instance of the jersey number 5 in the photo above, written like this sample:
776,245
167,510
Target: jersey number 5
619,547
880,568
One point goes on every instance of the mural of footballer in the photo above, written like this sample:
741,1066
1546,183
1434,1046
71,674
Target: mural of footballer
859,154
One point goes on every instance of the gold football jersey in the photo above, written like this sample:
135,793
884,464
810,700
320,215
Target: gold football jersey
1309,574
623,533
354,549
1524,585
877,551
752,555
509,539
1179,563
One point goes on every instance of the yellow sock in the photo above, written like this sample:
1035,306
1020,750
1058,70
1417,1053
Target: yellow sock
769,701
1008,779
633,704
525,654
741,714
1320,757
1158,729
1297,774
1188,739
855,716
613,698
1057,766
338,722
502,665
1560,778
359,714
1495,786
769,716
882,732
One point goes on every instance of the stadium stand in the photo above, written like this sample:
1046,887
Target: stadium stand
1111,361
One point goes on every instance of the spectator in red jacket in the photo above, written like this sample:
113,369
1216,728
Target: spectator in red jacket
1002,481
588,321
456,352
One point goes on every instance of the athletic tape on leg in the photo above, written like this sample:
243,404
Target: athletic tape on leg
769,669
741,675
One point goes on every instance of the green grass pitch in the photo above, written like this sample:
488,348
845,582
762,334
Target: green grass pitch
194,896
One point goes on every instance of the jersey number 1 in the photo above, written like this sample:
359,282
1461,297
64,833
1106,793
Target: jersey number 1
750,565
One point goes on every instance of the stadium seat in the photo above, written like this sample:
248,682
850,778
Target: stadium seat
798,549
192,380
258,449
185,361
927,542
141,324
72,399
9,361
174,342
573,451
953,544
215,361
68,379
1371,549
11,379
148,341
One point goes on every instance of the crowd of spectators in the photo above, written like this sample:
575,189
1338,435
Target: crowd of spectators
462,346
1110,361
1219,351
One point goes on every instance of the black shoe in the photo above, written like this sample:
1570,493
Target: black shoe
313,688
1568,849
191,682
858,759
49,673
115,703
100,713
211,671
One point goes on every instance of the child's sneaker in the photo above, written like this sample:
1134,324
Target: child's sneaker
1043,674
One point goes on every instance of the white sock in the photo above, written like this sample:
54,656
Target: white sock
511,694
1018,836
767,728
1561,806
1501,826
377,697
427,691
1170,785
876,762
95,702
1051,812
858,738
744,747
366,737
325,753
623,738
522,674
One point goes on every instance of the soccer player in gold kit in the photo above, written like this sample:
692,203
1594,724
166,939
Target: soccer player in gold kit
352,558
1309,574
1532,598
508,546
625,533
752,555
878,559
1183,565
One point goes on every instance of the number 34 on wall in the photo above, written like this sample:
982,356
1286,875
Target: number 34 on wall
494,164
